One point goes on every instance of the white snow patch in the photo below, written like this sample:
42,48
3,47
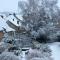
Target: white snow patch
55,47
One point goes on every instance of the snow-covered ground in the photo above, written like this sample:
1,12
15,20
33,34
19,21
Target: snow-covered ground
55,47
22,56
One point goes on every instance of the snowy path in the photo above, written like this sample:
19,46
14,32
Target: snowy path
55,47
22,56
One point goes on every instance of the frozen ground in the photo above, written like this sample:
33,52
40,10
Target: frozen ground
55,47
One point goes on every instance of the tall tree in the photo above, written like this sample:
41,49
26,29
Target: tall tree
40,16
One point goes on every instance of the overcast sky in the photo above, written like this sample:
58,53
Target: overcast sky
11,5
8,5
59,3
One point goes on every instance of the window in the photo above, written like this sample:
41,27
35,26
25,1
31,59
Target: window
17,22
13,19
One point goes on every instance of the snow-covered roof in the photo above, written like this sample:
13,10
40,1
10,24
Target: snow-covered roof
4,24
11,17
20,17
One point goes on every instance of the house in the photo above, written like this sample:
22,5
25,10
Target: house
4,24
14,21
14,31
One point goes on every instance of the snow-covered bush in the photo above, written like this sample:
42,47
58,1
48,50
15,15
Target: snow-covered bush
8,56
42,53
3,47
